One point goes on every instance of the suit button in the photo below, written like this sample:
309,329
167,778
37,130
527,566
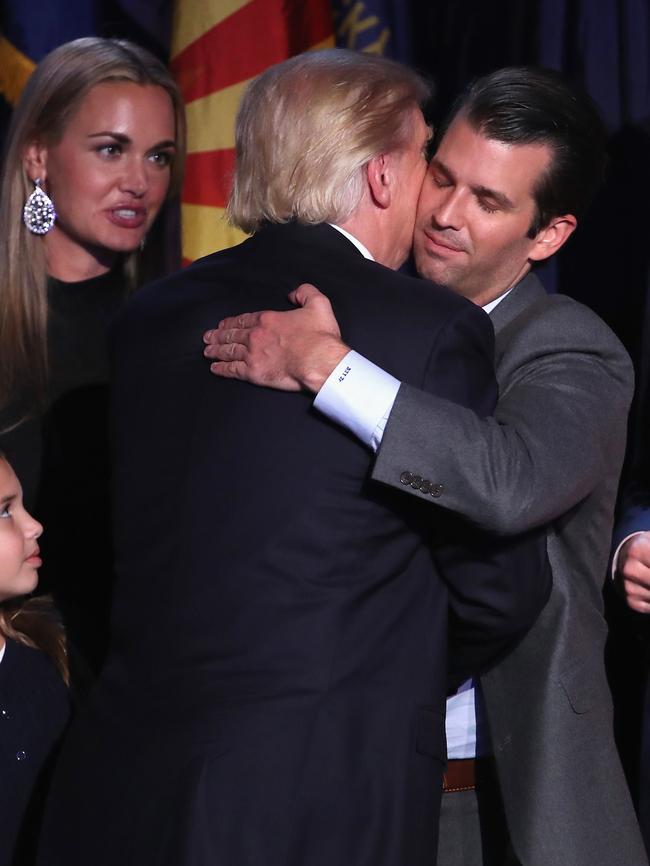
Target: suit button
436,490
406,478
425,487
416,480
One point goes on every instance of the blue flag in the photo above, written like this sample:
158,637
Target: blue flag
29,31
376,26
35,31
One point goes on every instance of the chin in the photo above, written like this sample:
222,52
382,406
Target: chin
28,582
124,246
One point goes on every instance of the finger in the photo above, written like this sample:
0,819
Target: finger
637,588
636,571
229,369
226,351
243,320
638,549
639,606
304,293
240,336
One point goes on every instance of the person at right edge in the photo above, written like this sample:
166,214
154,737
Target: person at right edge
516,164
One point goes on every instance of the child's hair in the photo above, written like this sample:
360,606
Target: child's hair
34,623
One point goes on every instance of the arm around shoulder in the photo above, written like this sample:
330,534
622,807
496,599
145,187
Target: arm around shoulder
566,384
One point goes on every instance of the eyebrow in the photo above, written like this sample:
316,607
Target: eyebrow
124,139
7,499
499,198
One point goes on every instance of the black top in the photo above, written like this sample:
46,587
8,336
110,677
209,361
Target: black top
78,318
61,458
34,710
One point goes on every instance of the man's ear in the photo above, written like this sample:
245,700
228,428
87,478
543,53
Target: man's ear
35,161
379,173
552,237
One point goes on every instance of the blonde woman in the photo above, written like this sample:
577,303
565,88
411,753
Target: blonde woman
95,148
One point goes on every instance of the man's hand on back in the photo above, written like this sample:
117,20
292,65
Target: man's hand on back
289,351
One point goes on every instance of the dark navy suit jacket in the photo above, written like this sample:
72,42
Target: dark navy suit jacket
276,684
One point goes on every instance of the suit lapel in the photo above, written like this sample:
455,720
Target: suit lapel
525,293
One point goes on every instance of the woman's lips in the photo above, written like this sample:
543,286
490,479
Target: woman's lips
127,217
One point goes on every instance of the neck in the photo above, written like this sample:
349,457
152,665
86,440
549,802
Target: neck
361,231
481,299
68,261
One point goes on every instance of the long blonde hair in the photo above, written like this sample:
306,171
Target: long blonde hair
52,95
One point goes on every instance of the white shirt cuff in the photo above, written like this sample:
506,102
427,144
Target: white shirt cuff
618,550
359,396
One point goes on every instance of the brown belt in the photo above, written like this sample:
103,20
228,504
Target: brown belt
467,774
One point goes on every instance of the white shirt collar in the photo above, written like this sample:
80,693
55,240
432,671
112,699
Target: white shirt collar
363,250
489,307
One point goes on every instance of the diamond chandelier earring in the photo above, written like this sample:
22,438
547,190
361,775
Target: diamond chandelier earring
39,213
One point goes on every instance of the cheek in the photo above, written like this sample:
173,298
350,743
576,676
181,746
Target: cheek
11,558
158,189
429,202
76,189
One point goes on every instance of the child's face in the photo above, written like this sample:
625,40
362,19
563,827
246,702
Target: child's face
19,555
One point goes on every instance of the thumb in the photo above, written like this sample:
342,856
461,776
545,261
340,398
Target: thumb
304,294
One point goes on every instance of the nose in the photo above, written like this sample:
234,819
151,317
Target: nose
134,179
448,211
33,529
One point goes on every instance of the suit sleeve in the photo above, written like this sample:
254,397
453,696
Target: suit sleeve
497,586
563,406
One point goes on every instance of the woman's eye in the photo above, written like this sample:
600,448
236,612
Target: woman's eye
109,150
161,157
5,511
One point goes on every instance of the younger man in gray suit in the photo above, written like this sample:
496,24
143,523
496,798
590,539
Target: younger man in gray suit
515,166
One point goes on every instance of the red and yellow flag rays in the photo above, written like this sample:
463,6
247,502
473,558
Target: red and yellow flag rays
217,47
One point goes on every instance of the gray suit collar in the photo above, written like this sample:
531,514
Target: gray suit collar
526,292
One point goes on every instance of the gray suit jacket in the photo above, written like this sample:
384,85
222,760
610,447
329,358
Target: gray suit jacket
551,455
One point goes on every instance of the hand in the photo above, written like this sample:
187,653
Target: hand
633,571
289,351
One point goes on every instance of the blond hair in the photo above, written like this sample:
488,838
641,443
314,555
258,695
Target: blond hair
306,128
54,92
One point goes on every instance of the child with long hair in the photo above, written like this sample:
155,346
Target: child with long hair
34,703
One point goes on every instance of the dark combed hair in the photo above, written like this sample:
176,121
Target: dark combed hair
522,105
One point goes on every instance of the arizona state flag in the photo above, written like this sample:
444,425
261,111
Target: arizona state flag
217,47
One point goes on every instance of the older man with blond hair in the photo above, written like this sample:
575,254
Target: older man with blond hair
282,701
